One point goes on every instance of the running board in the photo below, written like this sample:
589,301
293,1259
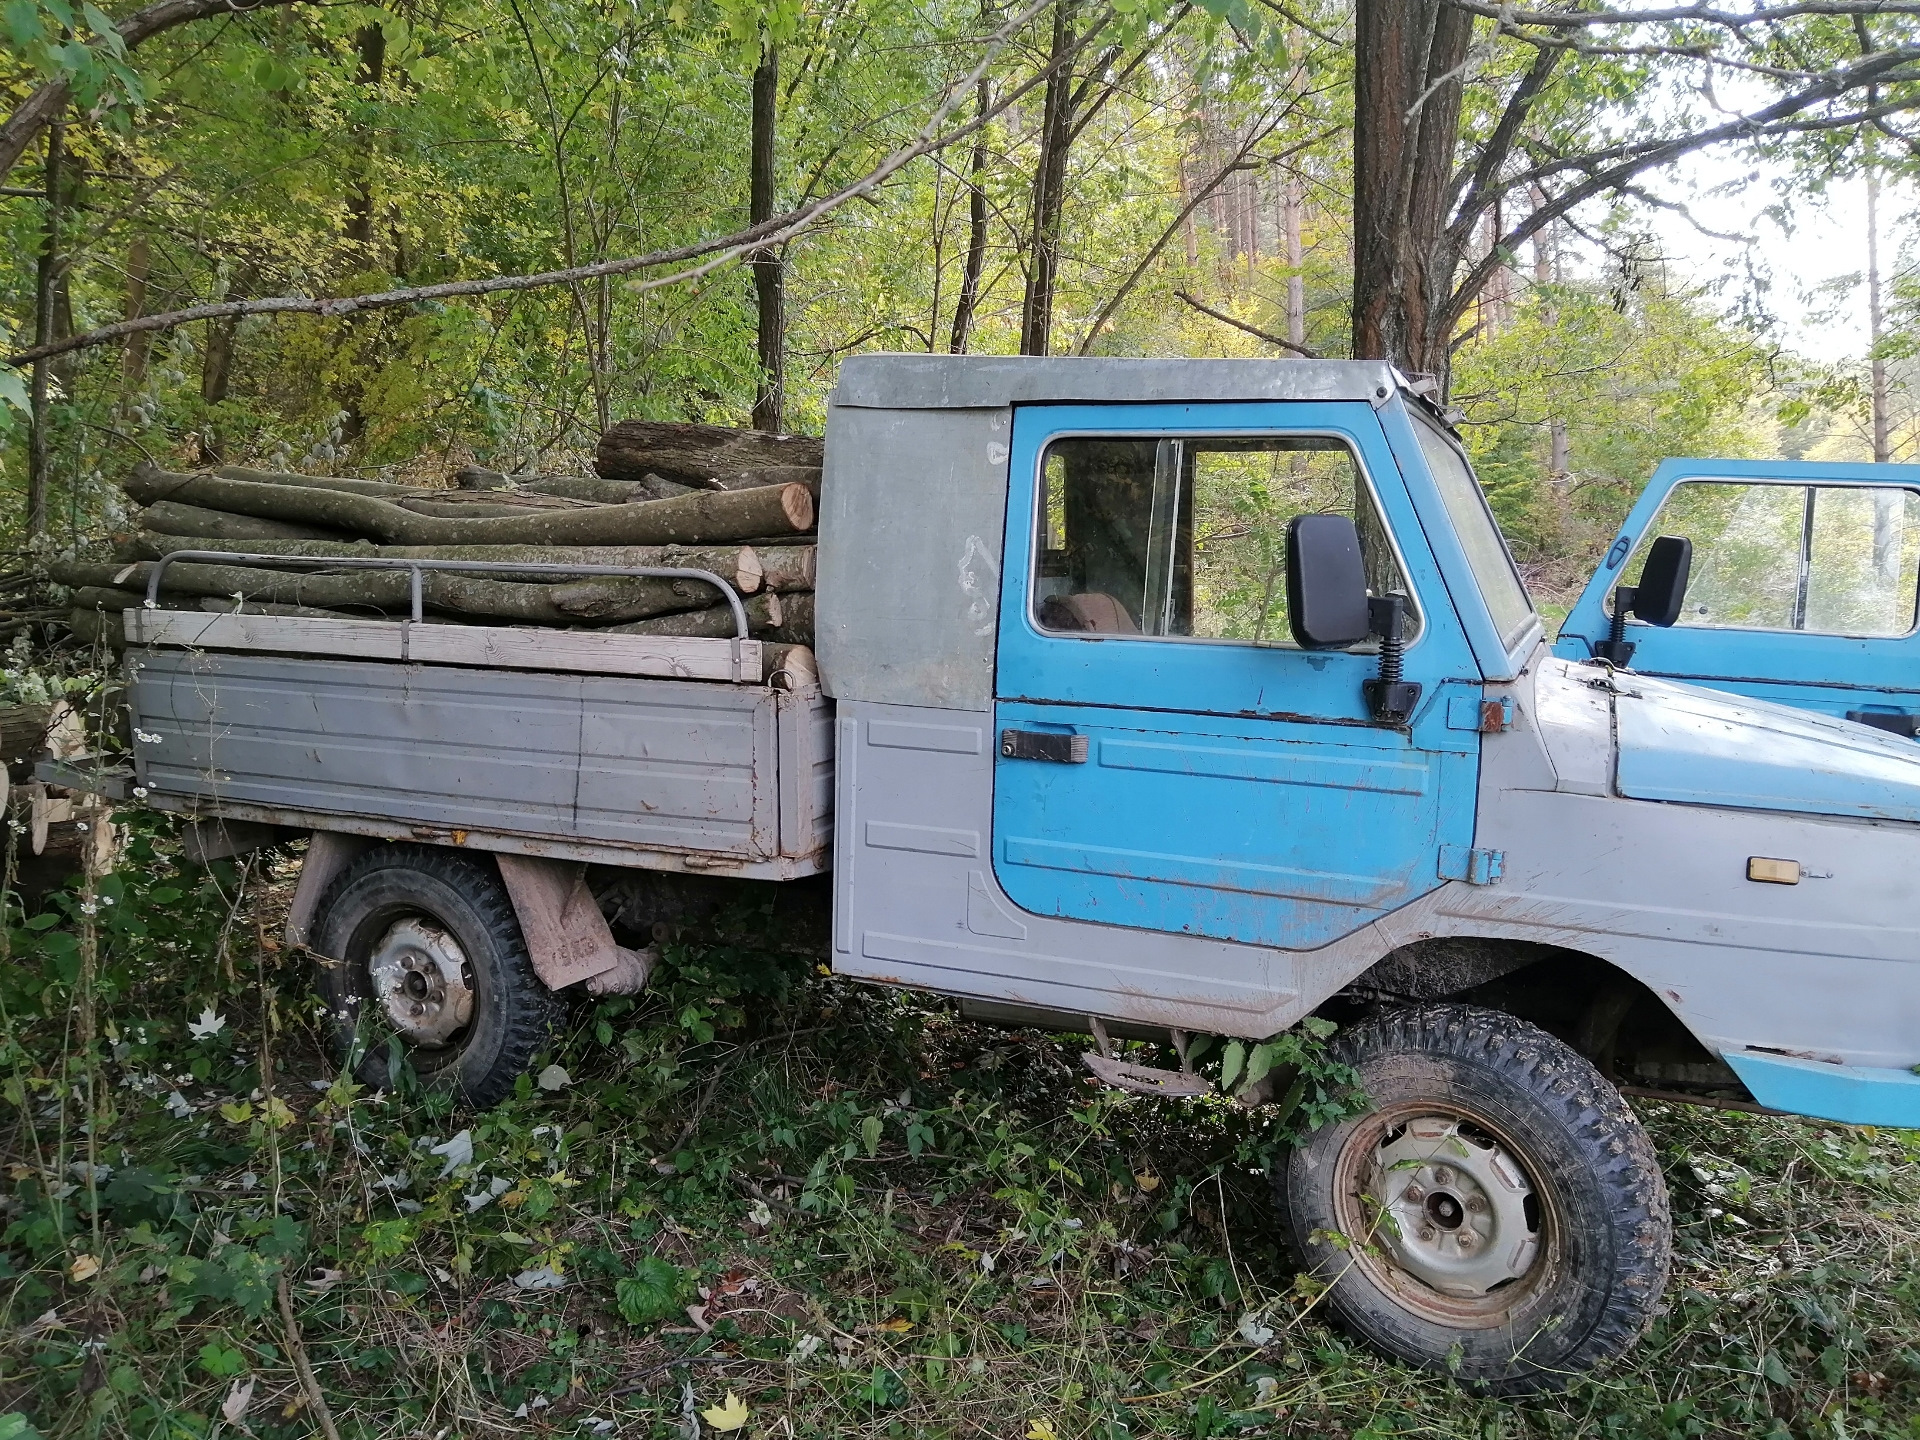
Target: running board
1146,1079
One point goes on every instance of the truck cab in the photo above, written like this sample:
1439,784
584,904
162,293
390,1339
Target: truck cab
1802,587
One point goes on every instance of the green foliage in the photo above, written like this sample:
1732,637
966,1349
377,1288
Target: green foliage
655,1291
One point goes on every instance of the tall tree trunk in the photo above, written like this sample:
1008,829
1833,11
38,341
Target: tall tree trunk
976,230
370,44
1406,121
1876,323
769,402
1290,220
216,379
1886,504
1049,189
133,361
46,274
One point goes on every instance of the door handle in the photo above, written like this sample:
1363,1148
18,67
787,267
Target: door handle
1044,745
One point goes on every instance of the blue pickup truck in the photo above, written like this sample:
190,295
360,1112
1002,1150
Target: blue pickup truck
1179,701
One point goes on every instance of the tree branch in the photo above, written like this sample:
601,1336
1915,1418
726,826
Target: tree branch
50,98
719,251
1705,14
1253,330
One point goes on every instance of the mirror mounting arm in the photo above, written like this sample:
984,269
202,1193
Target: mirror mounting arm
1390,699
1616,649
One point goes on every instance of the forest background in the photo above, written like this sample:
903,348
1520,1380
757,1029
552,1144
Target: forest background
1140,179
392,239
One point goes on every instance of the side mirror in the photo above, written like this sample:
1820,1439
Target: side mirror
1663,581
1656,599
1326,583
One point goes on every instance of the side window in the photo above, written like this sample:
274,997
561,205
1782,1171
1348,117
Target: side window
1186,537
1825,559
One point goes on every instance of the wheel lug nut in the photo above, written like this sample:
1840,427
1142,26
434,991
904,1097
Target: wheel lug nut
1426,1233
1476,1203
1465,1239
1414,1193
1441,1175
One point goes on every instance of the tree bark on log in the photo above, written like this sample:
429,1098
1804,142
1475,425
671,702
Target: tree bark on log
680,450
607,492
792,566
174,517
387,591
795,626
706,517
764,613
609,599
795,662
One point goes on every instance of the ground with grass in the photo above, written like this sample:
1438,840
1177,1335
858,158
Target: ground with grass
762,1200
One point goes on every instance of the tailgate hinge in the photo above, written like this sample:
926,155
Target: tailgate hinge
1476,867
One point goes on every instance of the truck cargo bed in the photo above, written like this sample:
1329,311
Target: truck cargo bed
622,770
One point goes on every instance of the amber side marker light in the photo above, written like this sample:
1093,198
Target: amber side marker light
1773,872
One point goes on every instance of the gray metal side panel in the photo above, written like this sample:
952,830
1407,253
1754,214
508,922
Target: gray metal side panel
939,382
806,773
656,763
913,516
915,901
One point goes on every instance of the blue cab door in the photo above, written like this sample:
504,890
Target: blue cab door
1168,759
1805,588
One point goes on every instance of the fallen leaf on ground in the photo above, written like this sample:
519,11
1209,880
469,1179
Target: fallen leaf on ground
458,1151
730,1414
1041,1430
544,1277
554,1078
84,1267
238,1398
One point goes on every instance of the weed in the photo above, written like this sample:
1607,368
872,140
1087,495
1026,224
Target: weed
760,1198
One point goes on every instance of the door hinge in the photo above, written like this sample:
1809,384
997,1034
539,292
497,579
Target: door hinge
1487,716
1044,745
1476,867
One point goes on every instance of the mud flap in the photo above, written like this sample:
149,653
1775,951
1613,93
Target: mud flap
567,936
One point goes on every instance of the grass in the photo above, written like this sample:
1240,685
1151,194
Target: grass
844,1206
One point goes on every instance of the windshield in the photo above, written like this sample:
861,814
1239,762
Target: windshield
1493,568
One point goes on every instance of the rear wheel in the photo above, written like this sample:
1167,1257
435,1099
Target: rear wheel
1498,1212
421,947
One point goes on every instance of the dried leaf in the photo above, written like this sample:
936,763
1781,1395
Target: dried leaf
457,1152
238,1398
84,1267
731,1414
553,1078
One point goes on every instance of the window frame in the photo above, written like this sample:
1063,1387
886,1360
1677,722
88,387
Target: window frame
1651,530
1415,611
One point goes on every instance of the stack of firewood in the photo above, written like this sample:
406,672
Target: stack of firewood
739,503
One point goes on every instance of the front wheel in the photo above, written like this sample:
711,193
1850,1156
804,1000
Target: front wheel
1498,1212
420,945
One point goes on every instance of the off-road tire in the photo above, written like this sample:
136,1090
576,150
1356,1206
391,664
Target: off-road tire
1606,1232
514,1014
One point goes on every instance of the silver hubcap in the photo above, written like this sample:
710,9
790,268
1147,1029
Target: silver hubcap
1454,1207
419,975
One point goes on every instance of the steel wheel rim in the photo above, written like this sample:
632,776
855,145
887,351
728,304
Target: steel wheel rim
1468,1177
423,983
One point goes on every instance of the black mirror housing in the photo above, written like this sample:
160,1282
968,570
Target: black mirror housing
1663,581
1326,583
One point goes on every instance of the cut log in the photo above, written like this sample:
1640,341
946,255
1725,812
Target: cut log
791,665
478,477
705,517
98,627
682,451
174,517
610,599
807,475
740,565
795,626
788,567
349,485
764,613
386,591
227,605
106,597
607,492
